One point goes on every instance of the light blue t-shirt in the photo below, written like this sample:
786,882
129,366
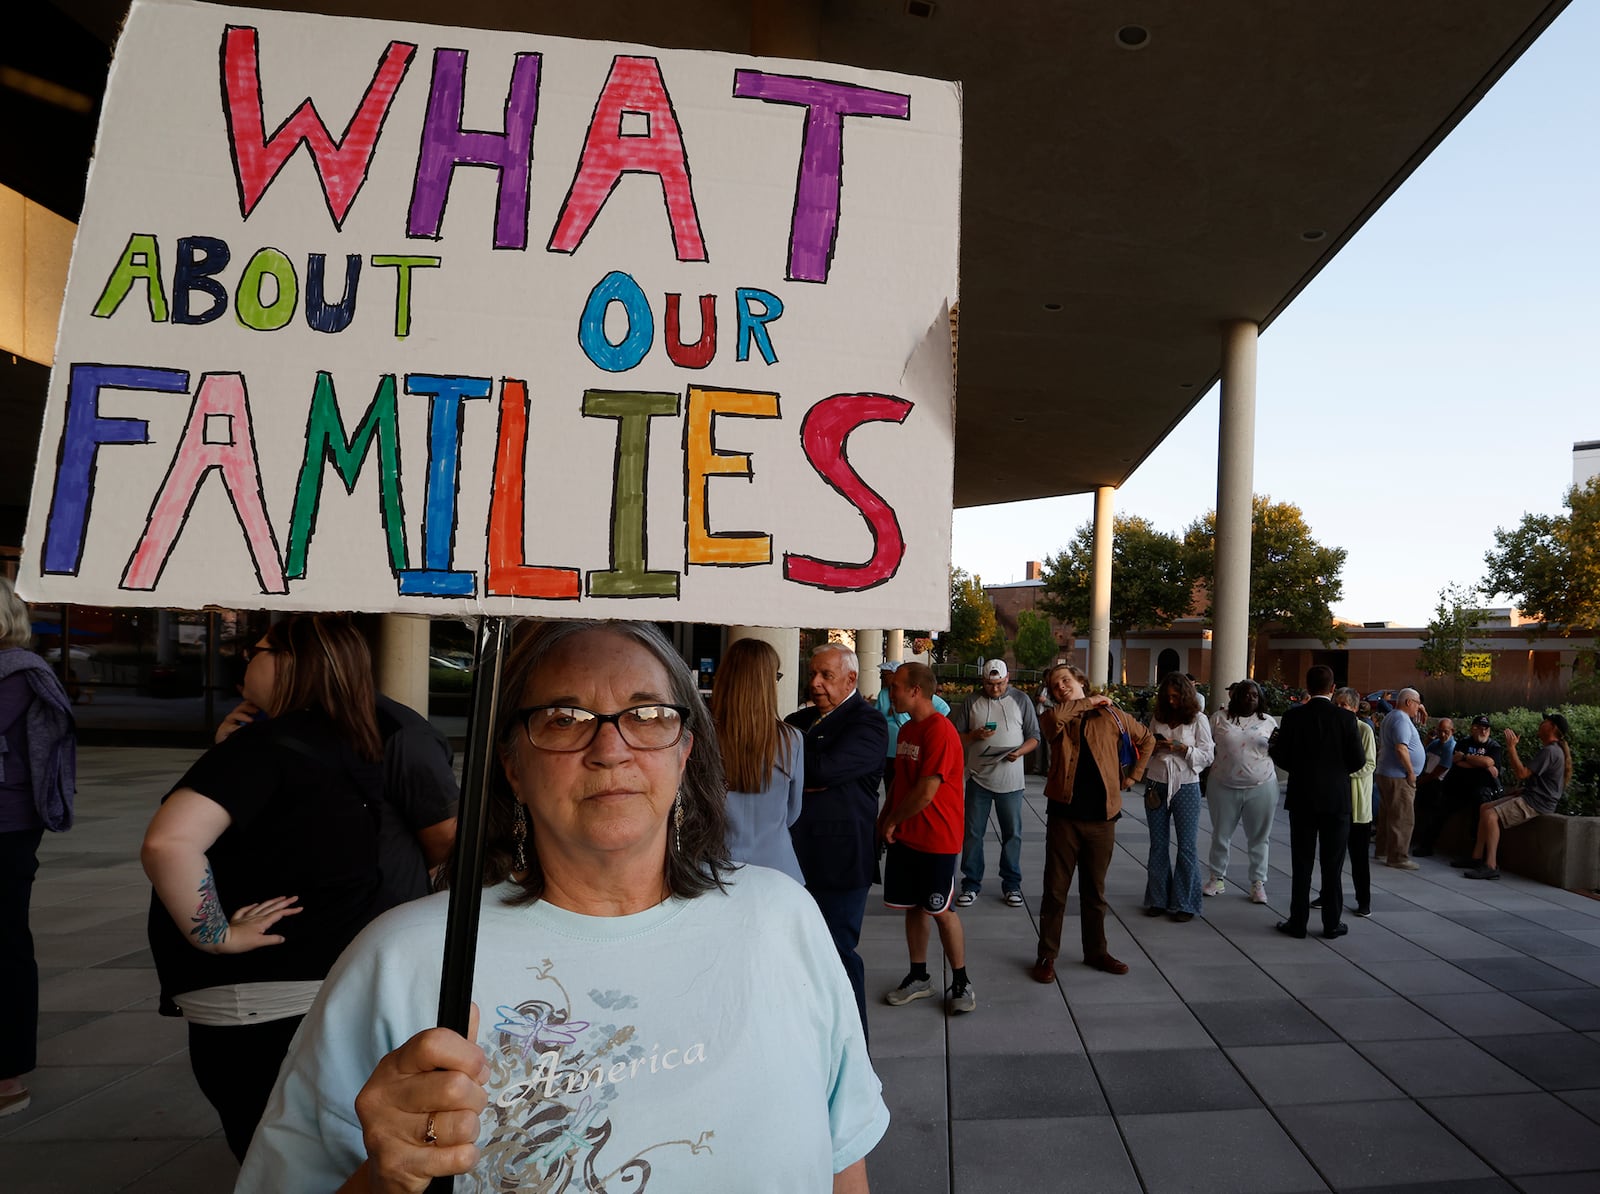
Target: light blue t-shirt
896,720
1399,732
715,1041
1444,749
758,822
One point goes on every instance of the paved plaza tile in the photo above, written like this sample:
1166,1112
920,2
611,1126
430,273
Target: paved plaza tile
1288,1075
1522,1133
1218,1150
1449,1045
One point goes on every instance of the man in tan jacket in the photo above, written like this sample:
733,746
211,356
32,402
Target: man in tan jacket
1085,786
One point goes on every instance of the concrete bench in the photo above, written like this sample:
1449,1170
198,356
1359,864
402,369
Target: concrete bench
1561,851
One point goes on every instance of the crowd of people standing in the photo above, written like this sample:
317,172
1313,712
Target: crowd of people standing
712,839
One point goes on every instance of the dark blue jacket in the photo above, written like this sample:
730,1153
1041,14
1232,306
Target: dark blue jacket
844,754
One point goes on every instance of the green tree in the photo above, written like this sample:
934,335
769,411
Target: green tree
1294,580
1550,564
974,631
1036,642
1455,620
1150,583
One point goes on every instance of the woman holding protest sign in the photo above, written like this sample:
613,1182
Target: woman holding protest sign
761,756
626,975
264,860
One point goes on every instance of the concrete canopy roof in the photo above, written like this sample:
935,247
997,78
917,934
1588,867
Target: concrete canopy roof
1119,205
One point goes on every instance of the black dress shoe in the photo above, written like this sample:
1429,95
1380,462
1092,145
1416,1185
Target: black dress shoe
1338,930
1288,929
1155,911
1317,903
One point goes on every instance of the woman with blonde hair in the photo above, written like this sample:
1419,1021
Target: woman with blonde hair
1360,805
264,860
763,758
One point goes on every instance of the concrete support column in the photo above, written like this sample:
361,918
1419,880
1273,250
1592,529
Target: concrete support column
1236,446
1100,588
402,660
869,650
786,641
894,647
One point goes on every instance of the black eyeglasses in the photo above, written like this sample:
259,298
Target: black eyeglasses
251,652
565,729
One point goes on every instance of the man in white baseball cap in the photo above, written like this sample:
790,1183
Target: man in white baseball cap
998,727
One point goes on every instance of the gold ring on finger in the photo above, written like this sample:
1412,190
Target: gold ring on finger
429,1136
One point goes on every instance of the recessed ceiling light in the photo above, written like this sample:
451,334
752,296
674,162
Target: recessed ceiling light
1019,418
1133,37
1052,306
920,8
1187,385
1313,234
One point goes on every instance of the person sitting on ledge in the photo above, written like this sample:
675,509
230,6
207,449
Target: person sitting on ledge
1543,781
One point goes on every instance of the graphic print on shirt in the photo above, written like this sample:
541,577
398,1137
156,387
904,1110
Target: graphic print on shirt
554,1081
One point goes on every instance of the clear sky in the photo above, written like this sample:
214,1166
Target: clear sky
1428,386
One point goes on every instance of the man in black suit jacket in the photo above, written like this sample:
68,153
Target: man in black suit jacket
845,741
1319,746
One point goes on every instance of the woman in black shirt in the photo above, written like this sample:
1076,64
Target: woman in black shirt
264,859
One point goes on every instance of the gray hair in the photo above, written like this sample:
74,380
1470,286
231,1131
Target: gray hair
846,655
16,623
1407,694
1348,697
700,863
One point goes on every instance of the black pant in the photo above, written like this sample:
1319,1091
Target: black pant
842,911
19,973
1447,800
1314,835
236,1067
1361,863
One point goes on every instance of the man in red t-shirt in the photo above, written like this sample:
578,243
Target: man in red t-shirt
923,824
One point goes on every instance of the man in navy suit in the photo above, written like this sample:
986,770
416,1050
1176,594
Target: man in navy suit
845,740
1319,746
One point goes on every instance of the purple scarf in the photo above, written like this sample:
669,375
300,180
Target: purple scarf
52,739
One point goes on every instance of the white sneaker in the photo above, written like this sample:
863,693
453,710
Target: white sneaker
966,899
1258,893
1213,886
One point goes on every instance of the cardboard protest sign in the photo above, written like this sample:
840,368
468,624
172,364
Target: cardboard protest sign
382,316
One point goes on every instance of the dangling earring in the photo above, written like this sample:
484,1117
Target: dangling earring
519,838
677,822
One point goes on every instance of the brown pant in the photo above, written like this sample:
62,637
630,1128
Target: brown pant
1068,844
1397,814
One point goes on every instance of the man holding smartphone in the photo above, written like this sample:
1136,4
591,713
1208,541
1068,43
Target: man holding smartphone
998,728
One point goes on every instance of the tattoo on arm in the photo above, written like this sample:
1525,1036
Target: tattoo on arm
210,925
